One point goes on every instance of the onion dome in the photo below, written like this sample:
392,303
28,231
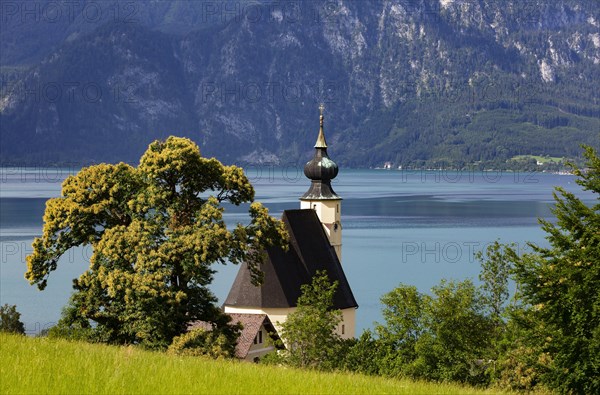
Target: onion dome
320,170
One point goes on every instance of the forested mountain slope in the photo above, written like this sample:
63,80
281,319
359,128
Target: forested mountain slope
416,83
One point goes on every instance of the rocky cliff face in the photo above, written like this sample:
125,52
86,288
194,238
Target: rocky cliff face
411,82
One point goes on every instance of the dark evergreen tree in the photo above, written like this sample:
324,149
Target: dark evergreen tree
561,283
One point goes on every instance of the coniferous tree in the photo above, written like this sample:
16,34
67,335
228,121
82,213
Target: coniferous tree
561,283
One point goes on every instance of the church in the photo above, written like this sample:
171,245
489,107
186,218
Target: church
315,232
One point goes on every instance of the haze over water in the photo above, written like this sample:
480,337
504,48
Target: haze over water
411,227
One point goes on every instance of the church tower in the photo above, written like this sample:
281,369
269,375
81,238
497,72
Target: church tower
320,196
314,230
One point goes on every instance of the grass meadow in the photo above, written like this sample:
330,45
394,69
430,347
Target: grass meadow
48,366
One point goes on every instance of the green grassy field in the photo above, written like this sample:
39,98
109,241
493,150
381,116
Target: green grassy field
541,159
44,366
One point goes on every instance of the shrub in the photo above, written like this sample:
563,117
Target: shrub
202,342
10,320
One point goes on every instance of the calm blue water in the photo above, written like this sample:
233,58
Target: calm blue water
398,227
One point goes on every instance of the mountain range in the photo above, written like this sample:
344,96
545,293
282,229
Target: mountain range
411,82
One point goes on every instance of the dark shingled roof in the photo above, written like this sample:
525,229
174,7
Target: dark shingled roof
286,271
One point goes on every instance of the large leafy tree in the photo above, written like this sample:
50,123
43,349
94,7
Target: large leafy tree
443,336
456,339
562,285
403,311
156,230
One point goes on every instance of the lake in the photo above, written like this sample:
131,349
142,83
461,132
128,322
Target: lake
411,227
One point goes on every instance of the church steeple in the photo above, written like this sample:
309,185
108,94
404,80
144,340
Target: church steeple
321,143
320,196
315,235
320,169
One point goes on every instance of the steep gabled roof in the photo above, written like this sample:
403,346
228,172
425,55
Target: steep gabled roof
251,324
286,271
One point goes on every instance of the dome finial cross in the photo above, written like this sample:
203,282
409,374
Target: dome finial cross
321,117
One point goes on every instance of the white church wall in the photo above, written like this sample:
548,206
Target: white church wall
346,329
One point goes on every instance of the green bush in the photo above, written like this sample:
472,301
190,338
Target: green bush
10,320
200,342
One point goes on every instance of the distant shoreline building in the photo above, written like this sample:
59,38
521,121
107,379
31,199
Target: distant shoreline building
315,232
